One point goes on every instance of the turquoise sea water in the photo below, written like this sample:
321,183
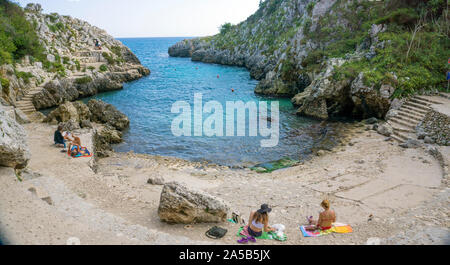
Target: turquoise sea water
148,101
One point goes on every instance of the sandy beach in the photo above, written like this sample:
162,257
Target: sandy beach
110,202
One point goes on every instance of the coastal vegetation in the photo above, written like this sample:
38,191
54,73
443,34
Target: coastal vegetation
414,47
83,80
17,35
411,56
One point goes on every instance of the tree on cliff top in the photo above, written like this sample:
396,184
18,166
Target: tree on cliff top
225,28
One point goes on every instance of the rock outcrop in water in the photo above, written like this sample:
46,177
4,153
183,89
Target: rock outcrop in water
103,112
335,58
180,205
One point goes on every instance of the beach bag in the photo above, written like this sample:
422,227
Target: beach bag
216,232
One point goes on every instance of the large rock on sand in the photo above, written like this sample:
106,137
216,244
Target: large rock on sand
73,112
103,112
14,151
103,139
178,204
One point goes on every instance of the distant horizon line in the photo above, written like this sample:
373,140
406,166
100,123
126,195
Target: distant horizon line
161,37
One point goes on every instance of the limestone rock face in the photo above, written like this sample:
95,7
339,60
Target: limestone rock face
103,112
14,151
369,101
73,112
385,129
70,43
324,97
181,49
21,117
180,205
103,139
281,44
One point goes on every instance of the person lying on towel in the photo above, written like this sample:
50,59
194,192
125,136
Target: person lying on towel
75,147
326,218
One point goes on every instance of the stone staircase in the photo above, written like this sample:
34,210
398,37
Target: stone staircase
409,116
445,95
26,104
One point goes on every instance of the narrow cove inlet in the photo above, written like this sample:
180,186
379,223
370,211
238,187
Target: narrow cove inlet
225,123
148,102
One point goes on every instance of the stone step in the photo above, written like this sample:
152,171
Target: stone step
22,102
445,95
23,105
420,115
403,123
402,135
398,139
400,128
411,115
34,91
407,119
420,101
417,106
28,109
427,99
411,108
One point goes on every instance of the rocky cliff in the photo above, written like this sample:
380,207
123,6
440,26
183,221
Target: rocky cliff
72,66
335,57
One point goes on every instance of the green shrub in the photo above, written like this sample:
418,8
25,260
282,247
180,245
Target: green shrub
225,28
52,17
83,80
5,83
91,68
117,51
103,68
77,64
402,16
25,76
108,58
17,35
66,60
310,7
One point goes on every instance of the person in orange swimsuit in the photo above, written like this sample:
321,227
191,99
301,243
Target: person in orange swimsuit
326,218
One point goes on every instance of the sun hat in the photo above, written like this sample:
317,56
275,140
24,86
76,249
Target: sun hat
264,209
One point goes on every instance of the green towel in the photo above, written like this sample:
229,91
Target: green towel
265,235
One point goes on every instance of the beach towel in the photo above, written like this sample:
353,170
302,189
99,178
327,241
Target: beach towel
336,228
243,232
84,152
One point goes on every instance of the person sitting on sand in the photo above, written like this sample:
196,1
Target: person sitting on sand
67,136
259,222
326,218
58,138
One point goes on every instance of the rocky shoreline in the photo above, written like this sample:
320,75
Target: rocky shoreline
385,191
74,68
317,54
